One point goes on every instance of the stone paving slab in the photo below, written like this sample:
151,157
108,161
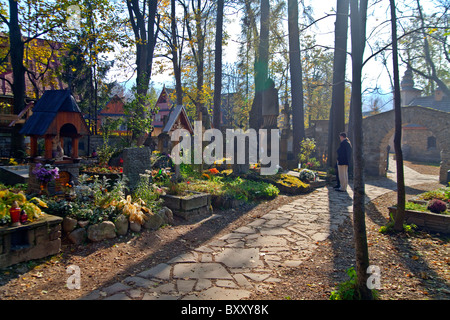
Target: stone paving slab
232,266
200,271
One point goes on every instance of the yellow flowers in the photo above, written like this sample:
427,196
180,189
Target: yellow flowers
33,210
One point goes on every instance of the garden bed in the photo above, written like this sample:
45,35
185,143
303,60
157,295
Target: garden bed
286,183
189,205
429,210
426,220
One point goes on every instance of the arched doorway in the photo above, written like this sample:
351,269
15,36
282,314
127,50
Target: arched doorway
378,129
69,139
68,133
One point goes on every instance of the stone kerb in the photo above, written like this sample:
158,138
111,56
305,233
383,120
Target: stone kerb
135,162
429,221
189,206
34,240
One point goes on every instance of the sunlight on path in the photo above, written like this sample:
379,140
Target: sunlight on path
246,260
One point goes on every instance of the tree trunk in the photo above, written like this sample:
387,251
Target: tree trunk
146,36
18,70
337,111
218,66
175,54
298,129
400,215
358,31
261,67
200,37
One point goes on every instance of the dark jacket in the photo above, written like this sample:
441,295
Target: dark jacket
344,153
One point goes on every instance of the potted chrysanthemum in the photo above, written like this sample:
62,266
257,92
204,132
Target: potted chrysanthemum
45,174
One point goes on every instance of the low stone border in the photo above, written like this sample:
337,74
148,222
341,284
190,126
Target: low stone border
34,240
430,221
189,206
78,231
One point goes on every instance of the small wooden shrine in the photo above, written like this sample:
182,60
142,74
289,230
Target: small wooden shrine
177,119
56,118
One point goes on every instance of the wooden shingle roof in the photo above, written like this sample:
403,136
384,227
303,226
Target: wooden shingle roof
46,110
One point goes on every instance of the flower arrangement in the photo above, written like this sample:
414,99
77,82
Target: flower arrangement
32,207
46,173
307,175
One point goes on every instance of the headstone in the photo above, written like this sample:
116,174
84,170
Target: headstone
270,112
135,162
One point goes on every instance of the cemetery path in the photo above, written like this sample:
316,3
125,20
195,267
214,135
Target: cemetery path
291,247
245,262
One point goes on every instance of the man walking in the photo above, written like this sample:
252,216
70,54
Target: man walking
343,160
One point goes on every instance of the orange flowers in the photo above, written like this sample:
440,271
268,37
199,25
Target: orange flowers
206,176
214,171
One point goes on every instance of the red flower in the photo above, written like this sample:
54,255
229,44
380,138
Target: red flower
121,170
187,182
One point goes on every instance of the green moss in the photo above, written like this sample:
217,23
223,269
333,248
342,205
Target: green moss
291,181
288,184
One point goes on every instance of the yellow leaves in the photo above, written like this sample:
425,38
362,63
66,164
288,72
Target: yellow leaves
3,210
7,198
32,210
133,210
39,202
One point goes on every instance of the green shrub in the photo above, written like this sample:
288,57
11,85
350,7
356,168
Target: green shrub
433,194
149,193
348,290
389,227
437,206
249,190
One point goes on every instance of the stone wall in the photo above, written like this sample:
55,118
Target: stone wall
34,240
379,128
5,144
319,131
135,162
95,142
415,145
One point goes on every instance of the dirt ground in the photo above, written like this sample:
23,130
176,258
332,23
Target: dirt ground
415,267
412,267
423,169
